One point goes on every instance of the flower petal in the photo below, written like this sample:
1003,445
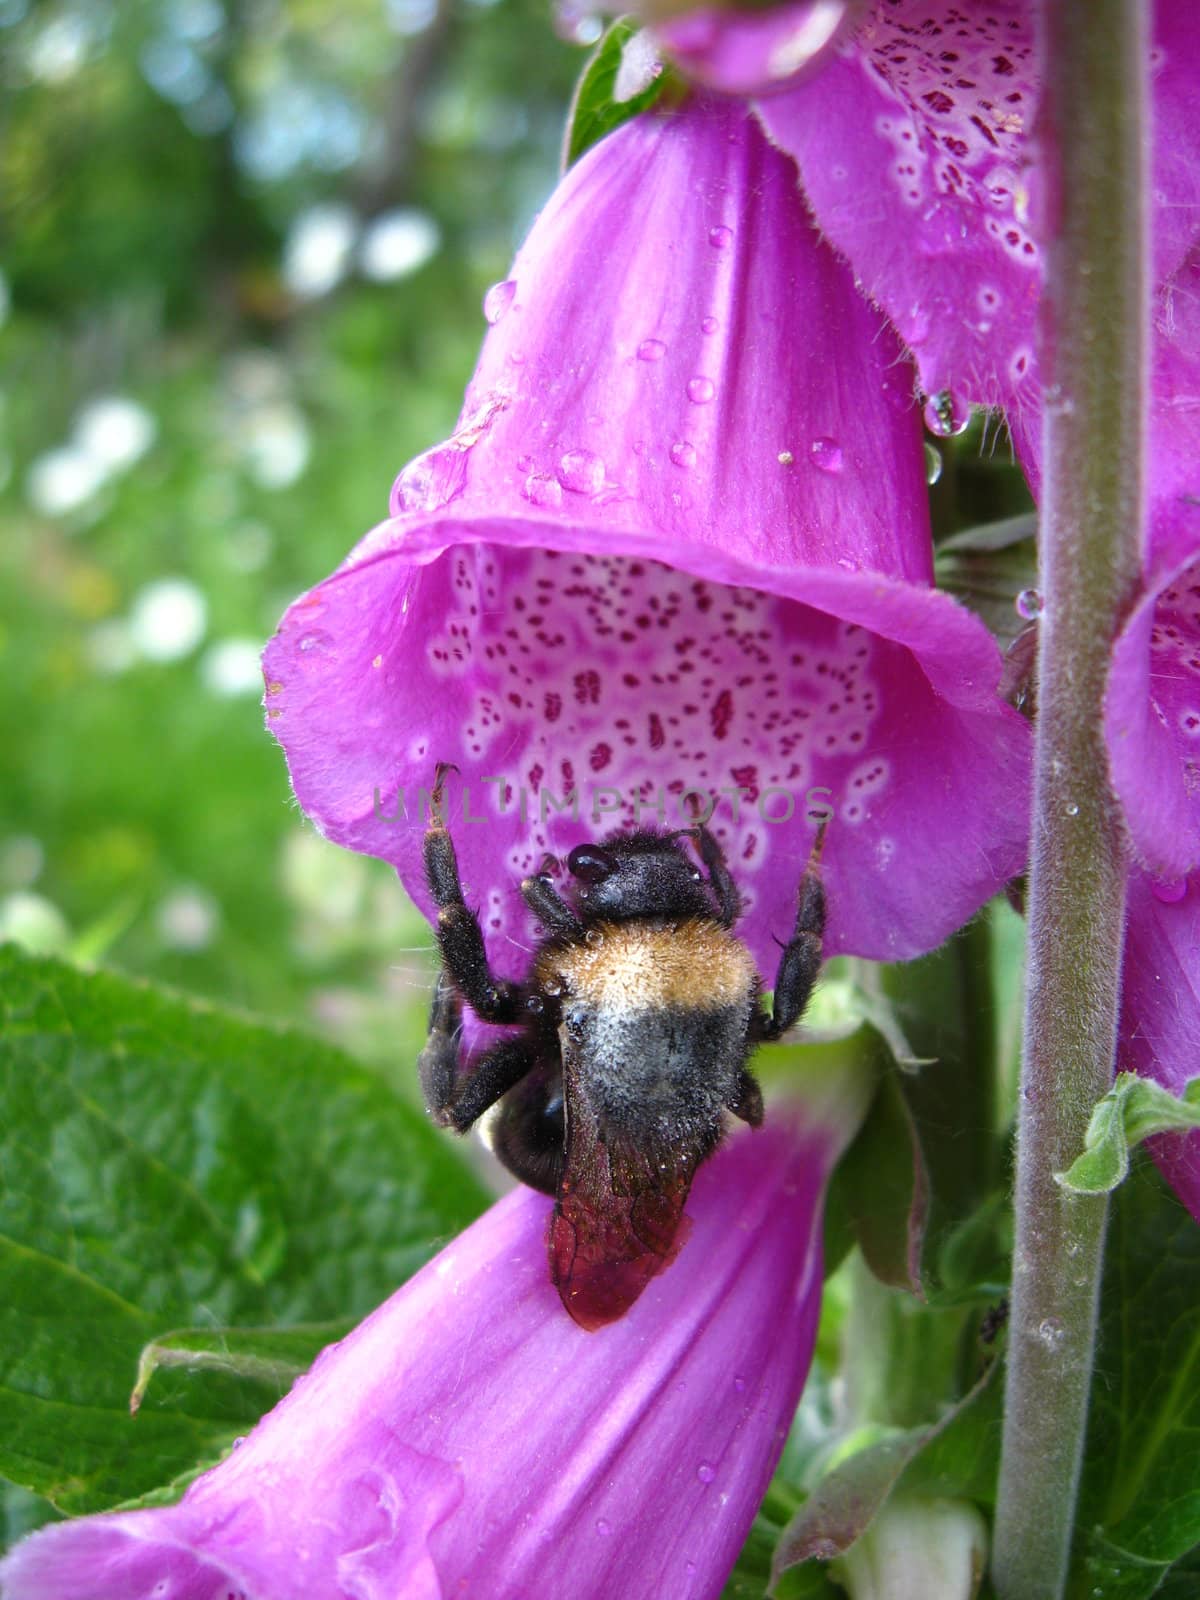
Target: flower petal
678,543
754,52
468,1438
1160,1009
912,146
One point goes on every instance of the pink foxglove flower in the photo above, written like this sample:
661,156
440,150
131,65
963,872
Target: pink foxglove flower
912,125
678,542
469,1439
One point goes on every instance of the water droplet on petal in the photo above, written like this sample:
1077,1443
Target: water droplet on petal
709,325
581,471
946,414
431,481
706,1472
651,350
1169,893
700,390
682,453
826,454
739,1385
847,563
933,463
720,237
603,1528
498,299
1029,604
785,458
540,489
1072,809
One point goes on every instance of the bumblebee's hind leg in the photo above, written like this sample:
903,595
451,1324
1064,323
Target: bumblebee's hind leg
454,1098
528,1134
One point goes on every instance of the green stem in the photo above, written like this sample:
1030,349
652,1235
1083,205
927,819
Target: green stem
1094,333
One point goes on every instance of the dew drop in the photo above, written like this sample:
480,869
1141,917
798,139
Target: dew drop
593,937
682,453
700,390
826,454
933,463
1029,604
847,563
651,350
535,1004
431,481
1052,1333
603,1528
946,414
720,237
540,489
706,1472
739,1385
498,299
552,986
1169,893
1072,809
709,325
581,471
785,458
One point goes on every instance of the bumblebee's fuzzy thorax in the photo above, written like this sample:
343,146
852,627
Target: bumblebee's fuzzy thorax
649,965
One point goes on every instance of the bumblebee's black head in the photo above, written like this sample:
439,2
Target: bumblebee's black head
638,875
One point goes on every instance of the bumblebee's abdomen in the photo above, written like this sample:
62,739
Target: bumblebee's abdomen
658,1019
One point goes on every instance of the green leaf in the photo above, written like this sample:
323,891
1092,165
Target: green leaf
955,1457
1134,1109
1140,1496
987,567
167,1165
625,65
884,1188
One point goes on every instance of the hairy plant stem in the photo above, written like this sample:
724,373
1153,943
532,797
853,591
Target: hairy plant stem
1094,333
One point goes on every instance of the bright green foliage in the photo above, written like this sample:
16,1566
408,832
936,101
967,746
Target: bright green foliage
596,108
168,1165
1134,1109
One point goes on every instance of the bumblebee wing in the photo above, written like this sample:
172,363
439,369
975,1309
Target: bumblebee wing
619,1218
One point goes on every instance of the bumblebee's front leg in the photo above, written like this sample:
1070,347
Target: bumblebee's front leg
456,1100
458,933
801,959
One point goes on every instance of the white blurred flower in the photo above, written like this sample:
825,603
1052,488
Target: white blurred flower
168,619
62,480
34,922
317,252
21,860
277,445
397,243
232,667
114,431
187,919
110,646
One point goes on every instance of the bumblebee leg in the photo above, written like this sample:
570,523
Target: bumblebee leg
801,959
719,877
458,932
746,1101
528,1135
453,1099
549,907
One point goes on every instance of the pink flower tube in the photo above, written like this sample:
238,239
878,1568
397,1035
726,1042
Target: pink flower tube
469,1440
678,545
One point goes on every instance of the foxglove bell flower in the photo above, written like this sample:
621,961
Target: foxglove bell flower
912,125
677,546
469,1439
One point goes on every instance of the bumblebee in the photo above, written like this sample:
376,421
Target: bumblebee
636,1025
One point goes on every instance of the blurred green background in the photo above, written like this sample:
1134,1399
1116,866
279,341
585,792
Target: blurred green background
243,245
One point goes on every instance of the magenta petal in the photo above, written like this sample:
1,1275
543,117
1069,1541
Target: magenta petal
754,52
679,542
469,1439
912,146
1152,724
1160,1010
